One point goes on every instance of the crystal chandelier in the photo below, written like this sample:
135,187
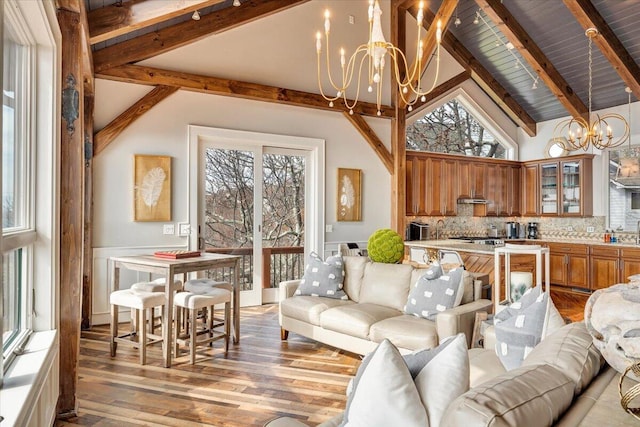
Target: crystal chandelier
372,56
595,130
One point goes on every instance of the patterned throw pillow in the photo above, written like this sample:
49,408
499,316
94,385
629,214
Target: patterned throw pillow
519,327
428,297
323,278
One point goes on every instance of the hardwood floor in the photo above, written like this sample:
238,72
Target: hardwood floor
260,379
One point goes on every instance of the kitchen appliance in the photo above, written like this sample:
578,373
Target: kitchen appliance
512,230
481,240
532,230
418,231
493,231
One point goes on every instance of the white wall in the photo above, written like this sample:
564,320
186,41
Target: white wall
163,130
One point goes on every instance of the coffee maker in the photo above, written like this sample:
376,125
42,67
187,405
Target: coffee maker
532,230
512,229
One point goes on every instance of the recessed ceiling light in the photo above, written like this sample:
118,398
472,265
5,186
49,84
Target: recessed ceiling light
196,16
510,45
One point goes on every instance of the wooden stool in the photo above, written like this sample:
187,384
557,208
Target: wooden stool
157,285
194,302
199,286
139,302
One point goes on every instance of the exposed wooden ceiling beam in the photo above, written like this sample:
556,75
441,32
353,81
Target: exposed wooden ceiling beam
111,131
515,33
70,5
588,16
484,79
166,39
225,87
440,90
122,18
370,136
87,55
429,42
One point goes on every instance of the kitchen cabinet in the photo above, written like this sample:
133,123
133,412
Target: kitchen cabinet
416,186
471,179
530,190
569,265
611,265
449,182
565,186
514,199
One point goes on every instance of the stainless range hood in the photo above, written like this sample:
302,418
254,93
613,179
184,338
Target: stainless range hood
472,201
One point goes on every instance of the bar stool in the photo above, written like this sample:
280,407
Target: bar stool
139,302
156,285
194,302
198,286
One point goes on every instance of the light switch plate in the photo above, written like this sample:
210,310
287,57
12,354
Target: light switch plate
328,228
591,229
184,229
168,229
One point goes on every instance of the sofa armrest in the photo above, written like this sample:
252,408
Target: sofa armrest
460,319
288,288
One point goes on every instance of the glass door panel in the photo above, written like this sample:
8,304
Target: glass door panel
571,187
549,188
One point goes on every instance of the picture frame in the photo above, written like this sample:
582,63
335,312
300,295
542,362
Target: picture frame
152,188
349,195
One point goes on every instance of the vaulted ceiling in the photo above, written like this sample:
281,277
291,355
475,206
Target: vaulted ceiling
507,48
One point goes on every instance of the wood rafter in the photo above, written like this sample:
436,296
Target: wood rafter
429,42
484,79
107,134
122,18
225,87
370,136
515,33
398,129
87,55
440,90
166,39
611,47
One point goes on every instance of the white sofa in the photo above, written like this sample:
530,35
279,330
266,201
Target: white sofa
374,311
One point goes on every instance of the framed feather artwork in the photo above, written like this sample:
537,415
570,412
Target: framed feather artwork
152,188
349,195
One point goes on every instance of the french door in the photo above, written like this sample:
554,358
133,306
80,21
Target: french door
252,203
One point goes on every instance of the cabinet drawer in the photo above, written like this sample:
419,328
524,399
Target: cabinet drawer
569,248
606,251
630,252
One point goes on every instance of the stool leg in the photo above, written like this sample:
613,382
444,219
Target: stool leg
142,335
114,329
178,324
209,325
193,335
227,326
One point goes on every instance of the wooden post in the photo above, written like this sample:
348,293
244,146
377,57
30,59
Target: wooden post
87,252
398,128
71,201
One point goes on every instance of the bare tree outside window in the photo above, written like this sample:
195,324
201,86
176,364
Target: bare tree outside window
452,129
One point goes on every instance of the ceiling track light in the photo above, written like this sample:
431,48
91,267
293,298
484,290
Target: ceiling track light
195,16
457,22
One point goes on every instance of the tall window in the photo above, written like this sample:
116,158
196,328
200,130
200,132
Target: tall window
18,234
624,188
451,128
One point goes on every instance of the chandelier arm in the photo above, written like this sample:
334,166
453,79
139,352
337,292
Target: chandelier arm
351,65
344,94
393,52
330,99
337,88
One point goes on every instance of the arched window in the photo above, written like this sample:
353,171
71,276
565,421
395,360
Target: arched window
452,128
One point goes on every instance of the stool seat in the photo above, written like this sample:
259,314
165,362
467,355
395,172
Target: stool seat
198,286
192,300
136,299
156,285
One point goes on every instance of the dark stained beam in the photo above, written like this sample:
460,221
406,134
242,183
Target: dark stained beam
484,79
225,87
166,39
440,90
398,129
111,131
611,47
121,18
530,51
370,136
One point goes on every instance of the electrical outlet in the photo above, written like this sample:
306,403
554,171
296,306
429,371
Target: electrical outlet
352,19
328,228
184,229
168,229
569,228
591,229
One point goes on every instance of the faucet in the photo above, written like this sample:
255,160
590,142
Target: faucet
442,221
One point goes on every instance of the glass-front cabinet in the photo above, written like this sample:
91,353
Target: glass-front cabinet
549,188
571,184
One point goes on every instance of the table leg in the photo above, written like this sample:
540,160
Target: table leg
168,318
236,302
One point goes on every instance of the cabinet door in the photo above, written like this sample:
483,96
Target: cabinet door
549,180
530,199
604,272
578,271
464,180
558,269
416,186
434,194
629,263
411,184
571,188
449,185
492,191
478,179
502,190
513,190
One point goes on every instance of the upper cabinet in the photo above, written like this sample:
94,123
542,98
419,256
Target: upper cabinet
560,187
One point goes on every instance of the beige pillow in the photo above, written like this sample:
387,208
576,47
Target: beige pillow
386,284
353,273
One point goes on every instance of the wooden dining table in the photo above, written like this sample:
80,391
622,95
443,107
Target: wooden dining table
169,268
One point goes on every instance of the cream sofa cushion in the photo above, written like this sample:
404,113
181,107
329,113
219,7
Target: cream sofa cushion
571,350
387,284
353,274
355,319
484,365
406,331
308,308
526,396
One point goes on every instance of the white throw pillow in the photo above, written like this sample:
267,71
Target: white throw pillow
414,390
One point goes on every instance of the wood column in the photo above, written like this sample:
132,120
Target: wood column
87,250
71,201
398,128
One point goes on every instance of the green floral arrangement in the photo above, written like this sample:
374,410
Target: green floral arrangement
385,245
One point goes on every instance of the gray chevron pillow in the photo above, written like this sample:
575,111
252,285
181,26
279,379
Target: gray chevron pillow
323,278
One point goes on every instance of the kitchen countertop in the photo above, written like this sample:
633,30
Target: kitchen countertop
456,245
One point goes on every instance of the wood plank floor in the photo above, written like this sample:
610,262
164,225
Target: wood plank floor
260,379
